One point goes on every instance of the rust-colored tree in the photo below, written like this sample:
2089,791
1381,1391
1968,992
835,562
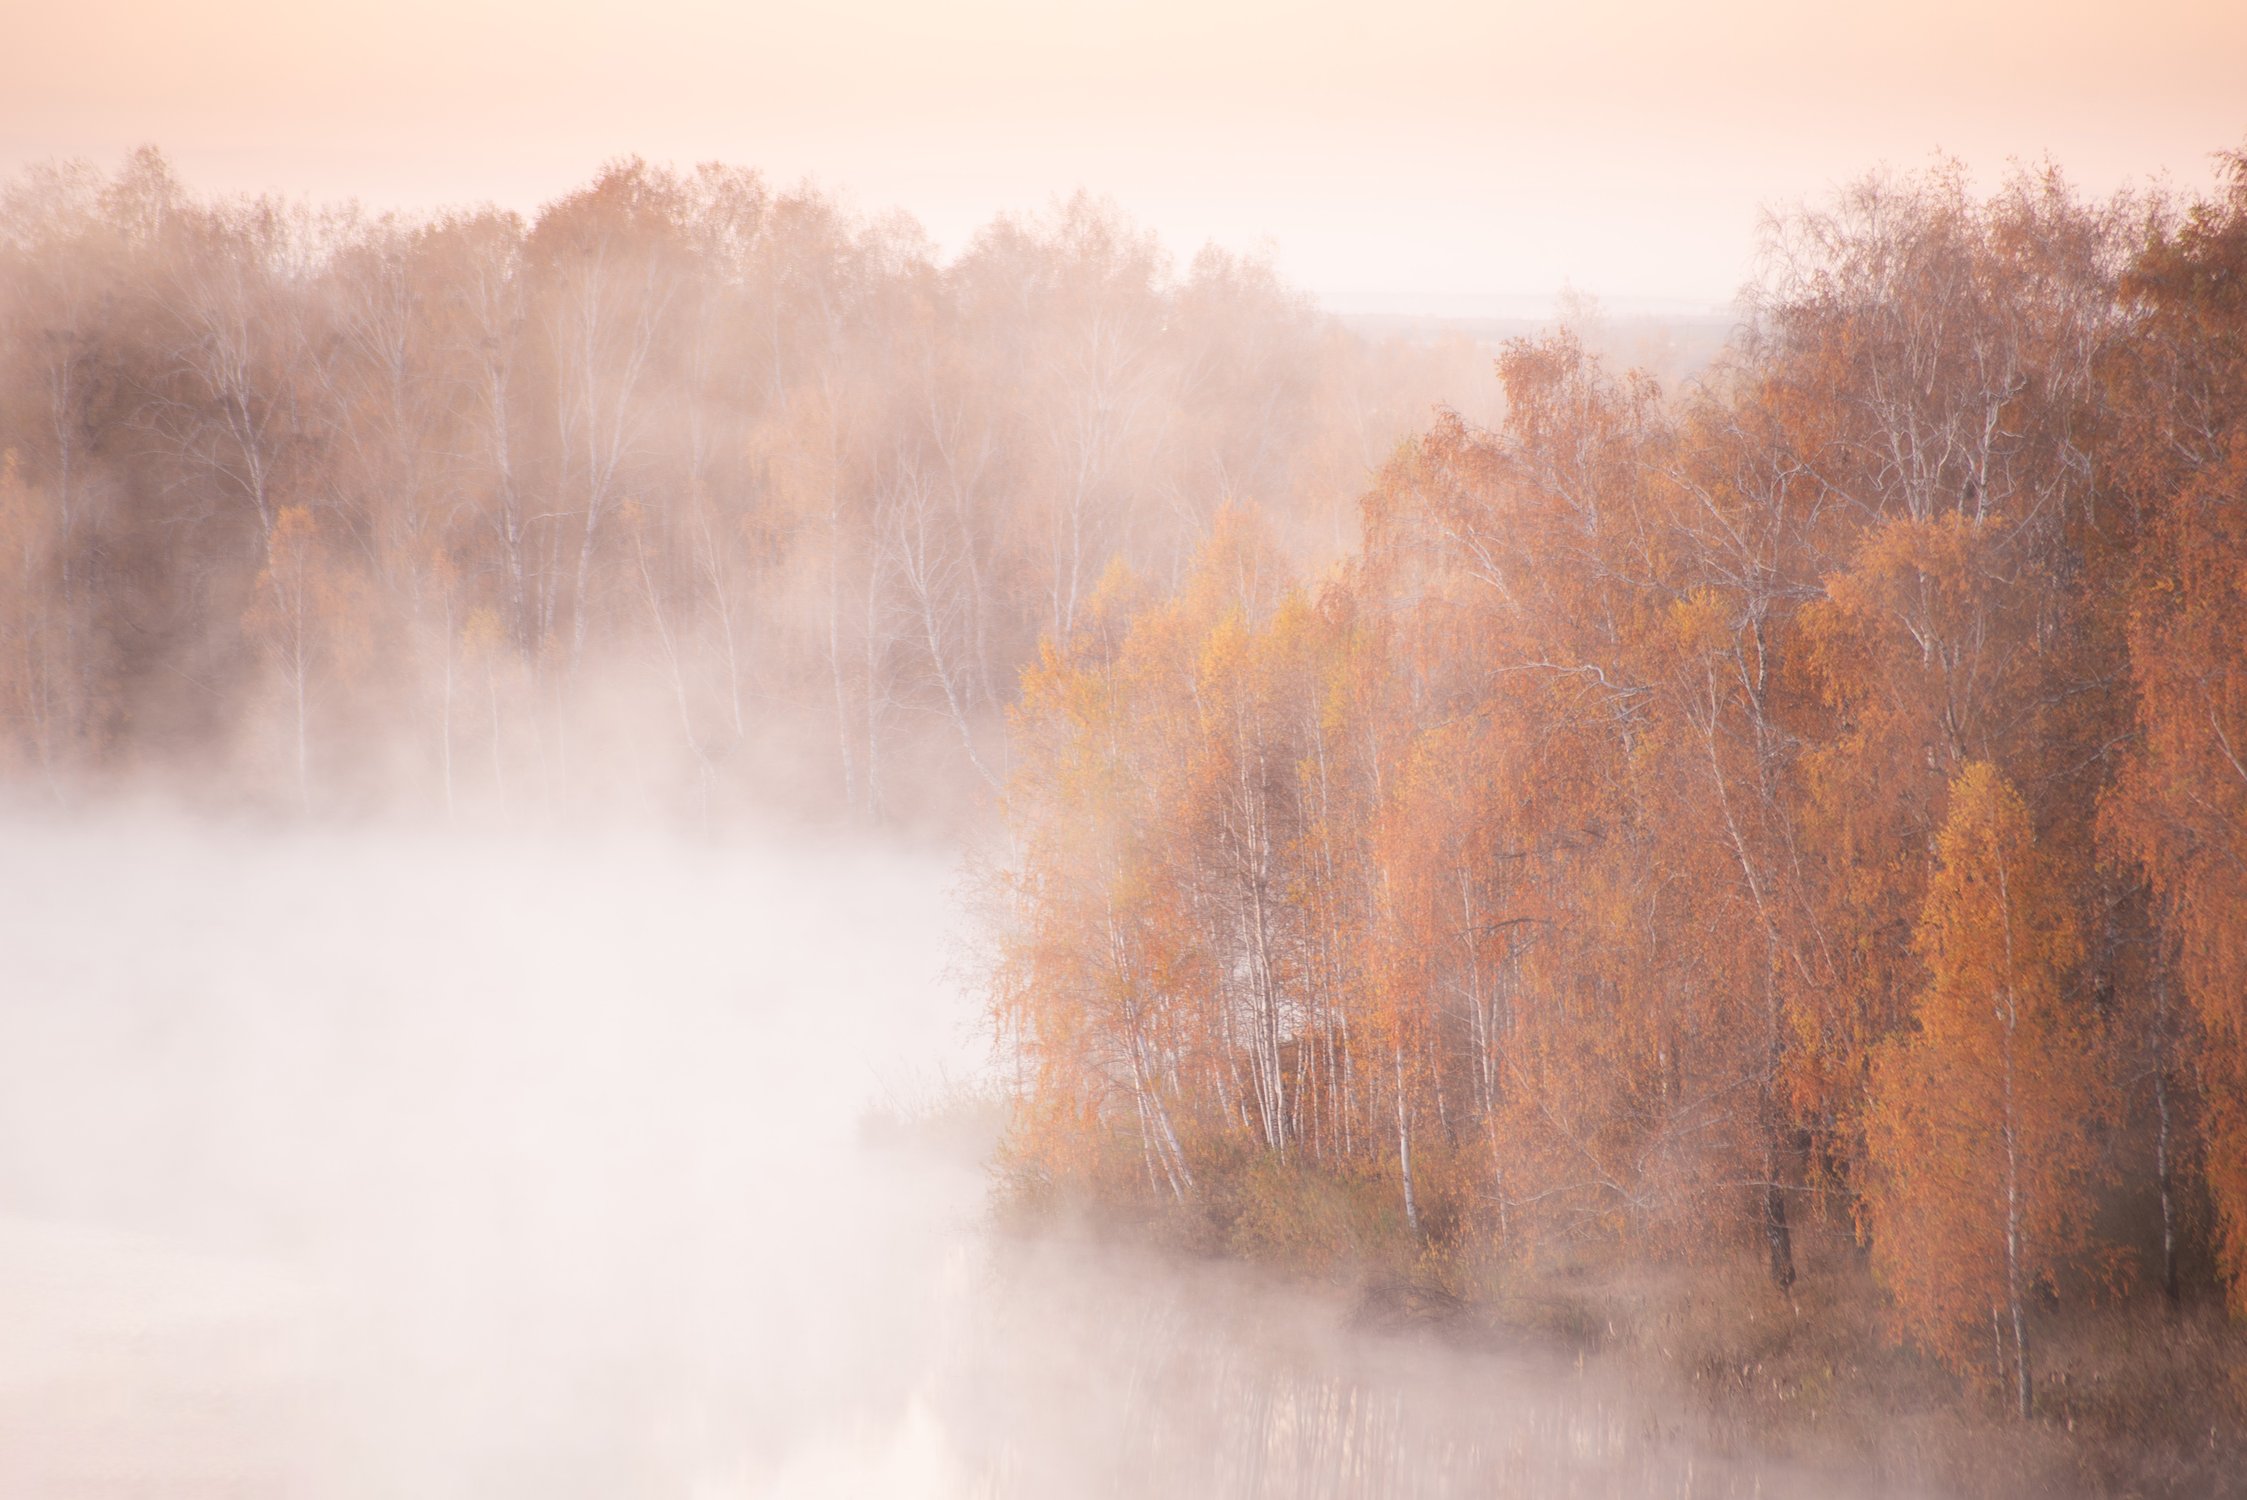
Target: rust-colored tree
2179,812
1981,1115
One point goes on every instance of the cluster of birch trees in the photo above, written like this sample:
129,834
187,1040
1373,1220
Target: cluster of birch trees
1813,802
684,484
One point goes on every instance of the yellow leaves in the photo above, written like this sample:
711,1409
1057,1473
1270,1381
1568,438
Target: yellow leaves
1701,622
482,635
311,602
1115,599
1995,920
1660,787
1979,1120
1224,657
2178,811
1928,574
289,545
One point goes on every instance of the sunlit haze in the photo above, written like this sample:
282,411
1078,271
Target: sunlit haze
1415,157
1193,750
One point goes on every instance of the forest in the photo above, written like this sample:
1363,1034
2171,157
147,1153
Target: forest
686,493
1502,826
1806,807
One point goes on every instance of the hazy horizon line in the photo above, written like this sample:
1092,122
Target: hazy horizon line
1402,300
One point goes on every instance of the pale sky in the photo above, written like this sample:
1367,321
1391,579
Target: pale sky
1411,155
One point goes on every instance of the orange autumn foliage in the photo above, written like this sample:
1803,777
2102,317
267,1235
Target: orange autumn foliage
1981,1115
1694,822
2179,810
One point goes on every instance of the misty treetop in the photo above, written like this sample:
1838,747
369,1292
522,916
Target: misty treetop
1812,802
1807,803
684,483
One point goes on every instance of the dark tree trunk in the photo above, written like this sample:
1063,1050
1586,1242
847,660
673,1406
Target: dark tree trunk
1776,1234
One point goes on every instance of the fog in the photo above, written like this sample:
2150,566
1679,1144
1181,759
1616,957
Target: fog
383,1163
497,706
404,1162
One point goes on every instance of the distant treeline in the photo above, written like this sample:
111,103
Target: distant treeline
685,484
1814,801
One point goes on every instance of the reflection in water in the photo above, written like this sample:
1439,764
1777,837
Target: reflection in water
1087,1372
343,1165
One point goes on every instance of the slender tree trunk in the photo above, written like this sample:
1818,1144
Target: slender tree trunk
1778,1237
875,692
584,582
2162,1165
446,738
835,648
303,752
499,761
1776,1233
2013,1287
1404,1147
2168,1207
2009,1015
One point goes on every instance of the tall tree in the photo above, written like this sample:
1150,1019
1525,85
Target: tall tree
2179,812
1981,1117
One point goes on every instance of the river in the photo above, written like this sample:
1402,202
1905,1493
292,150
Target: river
380,1162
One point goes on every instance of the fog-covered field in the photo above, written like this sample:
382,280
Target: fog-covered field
357,1163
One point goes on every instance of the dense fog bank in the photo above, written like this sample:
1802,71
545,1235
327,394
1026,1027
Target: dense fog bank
377,1163
366,1163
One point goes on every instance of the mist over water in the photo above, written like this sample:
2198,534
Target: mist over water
389,1162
